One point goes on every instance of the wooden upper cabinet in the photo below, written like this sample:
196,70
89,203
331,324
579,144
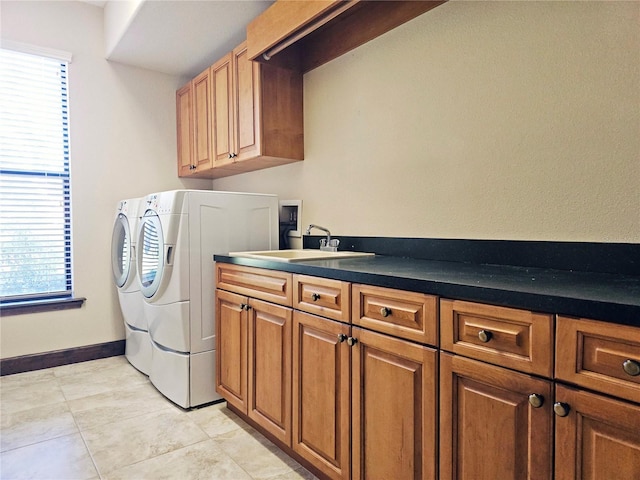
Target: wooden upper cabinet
302,35
222,110
202,149
247,103
184,122
254,117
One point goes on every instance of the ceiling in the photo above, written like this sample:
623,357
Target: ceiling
183,37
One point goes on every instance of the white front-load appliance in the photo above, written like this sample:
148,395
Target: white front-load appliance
178,235
124,267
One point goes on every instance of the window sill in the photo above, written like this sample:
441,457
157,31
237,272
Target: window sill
37,306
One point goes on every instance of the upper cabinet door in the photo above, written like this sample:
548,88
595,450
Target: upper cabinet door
184,119
247,104
202,149
222,111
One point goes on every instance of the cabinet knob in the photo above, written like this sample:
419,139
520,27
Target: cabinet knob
485,335
561,409
385,311
536,400
631,367
341,337
352,341
233,155
244,306
315,297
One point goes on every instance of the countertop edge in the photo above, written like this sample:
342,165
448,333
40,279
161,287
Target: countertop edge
560,302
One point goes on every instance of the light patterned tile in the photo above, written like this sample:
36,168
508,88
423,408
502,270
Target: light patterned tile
19,379
133,440
30,395
202,461
100,380
217,419
27,427
255,454
89,366
116,405
59,458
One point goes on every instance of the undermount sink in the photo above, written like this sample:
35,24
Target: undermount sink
299,255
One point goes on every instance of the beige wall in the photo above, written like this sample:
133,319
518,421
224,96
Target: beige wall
501,120
122,145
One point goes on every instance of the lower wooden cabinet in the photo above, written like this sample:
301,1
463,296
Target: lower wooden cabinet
352,402
598,438
364,403
494,423
394,417
321,399
254,360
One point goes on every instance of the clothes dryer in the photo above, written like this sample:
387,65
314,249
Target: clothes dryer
178,235
124,267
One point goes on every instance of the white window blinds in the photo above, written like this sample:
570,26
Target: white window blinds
35,206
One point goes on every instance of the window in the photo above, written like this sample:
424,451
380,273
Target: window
35,189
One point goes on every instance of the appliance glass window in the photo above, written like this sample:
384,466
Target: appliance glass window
121,250
150,253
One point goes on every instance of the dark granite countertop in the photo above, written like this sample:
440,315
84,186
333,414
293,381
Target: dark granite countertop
602,296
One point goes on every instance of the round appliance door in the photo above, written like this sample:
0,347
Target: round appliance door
121,257
150,253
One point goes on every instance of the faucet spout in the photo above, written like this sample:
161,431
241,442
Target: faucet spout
308,232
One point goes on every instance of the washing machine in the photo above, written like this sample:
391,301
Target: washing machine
178,235
124,267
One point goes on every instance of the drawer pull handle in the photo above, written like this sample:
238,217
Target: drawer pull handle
631,367
485,335
385,312
341,337
561,409
315,297
536,400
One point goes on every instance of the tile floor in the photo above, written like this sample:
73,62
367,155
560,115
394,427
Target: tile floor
104,420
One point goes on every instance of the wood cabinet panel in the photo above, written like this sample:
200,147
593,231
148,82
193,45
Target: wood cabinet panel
488,427
320,31
247,95
599,438
270,285
222,110
231,351
322,296
394,385
408,315
202,148
269,367
508,337
321,399
593,354
184,123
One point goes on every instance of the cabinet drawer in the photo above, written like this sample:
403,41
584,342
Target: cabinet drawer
269,285
408,315
509,337
322,296
600,356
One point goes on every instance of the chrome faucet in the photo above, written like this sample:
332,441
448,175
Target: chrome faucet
326,243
